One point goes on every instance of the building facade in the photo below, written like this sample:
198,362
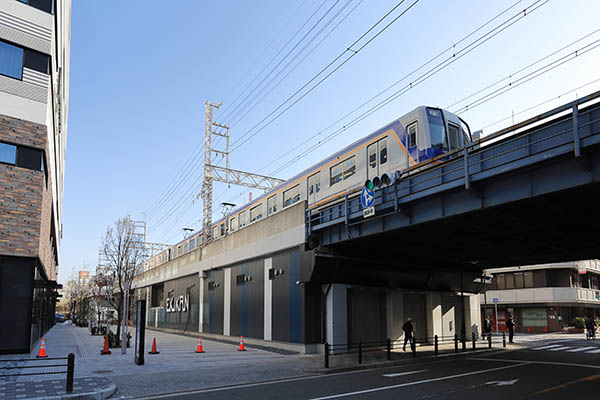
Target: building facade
543,298
34,99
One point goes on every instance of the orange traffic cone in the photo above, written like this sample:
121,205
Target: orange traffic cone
153,351
242,348
199,349
42,351
105,350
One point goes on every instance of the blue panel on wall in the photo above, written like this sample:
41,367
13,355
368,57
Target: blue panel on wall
245,302
295,305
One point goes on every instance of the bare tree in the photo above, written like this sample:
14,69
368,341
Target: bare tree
123,252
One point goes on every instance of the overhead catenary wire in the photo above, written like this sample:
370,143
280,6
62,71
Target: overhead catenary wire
353,52
273,87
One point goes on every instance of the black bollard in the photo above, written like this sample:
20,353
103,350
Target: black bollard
70,372
435,344
389,349
326,351
474,338
360,352
489,340
503,339
463,340
455,343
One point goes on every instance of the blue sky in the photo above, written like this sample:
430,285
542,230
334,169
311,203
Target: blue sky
142,70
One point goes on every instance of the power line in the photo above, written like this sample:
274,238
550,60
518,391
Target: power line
240,142
256,103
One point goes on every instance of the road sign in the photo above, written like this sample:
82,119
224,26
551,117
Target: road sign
366,197
495,299
368,212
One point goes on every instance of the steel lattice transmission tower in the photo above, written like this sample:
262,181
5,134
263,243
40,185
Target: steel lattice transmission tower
215,173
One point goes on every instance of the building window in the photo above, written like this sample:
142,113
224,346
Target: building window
528,279
44,5
11,60
271,205
501,281
8,153
291,196
36,61
412,135
29,158
510,281
519,284
256,213
383,151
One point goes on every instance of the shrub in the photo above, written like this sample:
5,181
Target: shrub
578,322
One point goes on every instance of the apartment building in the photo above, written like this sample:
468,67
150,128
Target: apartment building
34,108
543,298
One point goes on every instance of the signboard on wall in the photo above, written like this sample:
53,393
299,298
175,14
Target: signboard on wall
178,304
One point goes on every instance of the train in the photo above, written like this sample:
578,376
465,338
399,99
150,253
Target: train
415,138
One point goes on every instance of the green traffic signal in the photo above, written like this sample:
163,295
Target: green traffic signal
369,184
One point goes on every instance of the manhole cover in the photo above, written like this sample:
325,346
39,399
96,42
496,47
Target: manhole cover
102,371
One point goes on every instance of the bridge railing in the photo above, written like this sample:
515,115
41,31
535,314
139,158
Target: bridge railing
565,129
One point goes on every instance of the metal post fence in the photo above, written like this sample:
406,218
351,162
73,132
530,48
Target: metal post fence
360,352
69,372
455,343
389,349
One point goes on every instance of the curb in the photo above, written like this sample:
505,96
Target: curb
96,395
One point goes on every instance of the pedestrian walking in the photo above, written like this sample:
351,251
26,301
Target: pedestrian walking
510,324
487,327
408,332
590,326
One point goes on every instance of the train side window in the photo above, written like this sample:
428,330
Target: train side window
453,133
256,213
291,196
223,229
192,244
383,151
335,174
215,232
412,135
271,205
242,219
349,167
232,224
372,151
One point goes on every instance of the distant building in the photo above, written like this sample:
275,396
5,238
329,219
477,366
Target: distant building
543,297
34,104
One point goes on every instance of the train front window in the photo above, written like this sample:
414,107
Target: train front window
454,135
437,129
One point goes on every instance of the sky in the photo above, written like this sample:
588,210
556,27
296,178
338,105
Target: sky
141,72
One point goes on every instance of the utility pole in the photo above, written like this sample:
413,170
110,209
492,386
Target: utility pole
214,173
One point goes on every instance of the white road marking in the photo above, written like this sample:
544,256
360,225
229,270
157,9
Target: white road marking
502,383
403,373
560,348
335,396
593,351
539,362
575,350
546,347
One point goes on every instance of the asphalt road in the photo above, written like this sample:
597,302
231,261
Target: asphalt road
559,370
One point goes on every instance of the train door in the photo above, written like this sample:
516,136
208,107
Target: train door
411,143
373,167
314,187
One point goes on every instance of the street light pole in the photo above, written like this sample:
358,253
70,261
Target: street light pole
125,318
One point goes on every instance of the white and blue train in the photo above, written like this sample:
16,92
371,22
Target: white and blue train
417,137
